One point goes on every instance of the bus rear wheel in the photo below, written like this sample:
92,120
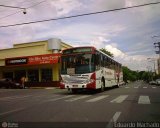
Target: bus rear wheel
102,85
117,85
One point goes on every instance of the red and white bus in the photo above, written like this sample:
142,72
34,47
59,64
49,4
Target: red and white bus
89,68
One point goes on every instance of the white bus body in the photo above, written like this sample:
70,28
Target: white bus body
88,71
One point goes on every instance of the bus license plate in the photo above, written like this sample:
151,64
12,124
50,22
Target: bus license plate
75,86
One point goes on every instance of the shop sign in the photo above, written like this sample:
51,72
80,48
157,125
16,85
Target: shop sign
43,59
33,60
18,61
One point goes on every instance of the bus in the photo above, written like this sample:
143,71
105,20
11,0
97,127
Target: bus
89,68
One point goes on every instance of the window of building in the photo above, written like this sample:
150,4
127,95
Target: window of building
46,75
19,74
33,76
8,75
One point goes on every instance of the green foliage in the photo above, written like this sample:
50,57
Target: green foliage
156,77
106,52
129,75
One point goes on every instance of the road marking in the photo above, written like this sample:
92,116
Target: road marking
113,120
154,87
144,87
126,87
44,96
135,87
14,97
77,98
119,99
97,98
7,90
37,96
50,88
59,98
144,100
15,110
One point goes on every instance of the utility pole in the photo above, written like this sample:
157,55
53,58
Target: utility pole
152,72
157,45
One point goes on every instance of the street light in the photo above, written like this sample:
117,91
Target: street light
157,47
152,60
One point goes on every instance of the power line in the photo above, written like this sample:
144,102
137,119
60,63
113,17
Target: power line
25,8
11,6
80,15
18,3
36,4
10,14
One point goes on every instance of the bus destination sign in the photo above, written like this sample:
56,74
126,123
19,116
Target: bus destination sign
77,50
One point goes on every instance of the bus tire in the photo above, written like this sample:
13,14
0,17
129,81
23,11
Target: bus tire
102,85
117,85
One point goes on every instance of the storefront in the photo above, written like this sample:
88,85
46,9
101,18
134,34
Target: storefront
23,60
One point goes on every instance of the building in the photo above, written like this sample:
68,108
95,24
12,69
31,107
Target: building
38,61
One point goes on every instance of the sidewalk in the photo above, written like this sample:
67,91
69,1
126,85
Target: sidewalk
44,88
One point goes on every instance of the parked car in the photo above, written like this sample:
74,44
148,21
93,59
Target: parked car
158,82
152,82
8,83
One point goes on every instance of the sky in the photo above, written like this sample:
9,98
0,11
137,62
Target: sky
128,34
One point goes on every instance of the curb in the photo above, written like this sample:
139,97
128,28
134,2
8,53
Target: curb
43,87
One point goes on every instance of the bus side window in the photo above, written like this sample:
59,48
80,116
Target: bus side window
97,61
105,62
102,60
109,63
112,64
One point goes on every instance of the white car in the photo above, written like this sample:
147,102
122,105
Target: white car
158,82
153,82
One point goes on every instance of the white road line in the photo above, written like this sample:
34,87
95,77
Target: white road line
59,98
11,90
37,96
14,97
45,96
154,87
97,98
126,87
119,99
113,120
144,87
135,87
15,110
50,88
77,98
144,100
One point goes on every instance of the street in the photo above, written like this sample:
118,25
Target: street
134,102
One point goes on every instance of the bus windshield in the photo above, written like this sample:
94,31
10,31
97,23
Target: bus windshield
77,64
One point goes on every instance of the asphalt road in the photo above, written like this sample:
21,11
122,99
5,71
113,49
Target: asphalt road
136,104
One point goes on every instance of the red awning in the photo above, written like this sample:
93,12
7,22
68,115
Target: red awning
33,60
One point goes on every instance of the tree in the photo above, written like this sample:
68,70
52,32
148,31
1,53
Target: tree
106,52
129,75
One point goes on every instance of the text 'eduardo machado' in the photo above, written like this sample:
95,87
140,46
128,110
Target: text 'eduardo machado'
137,125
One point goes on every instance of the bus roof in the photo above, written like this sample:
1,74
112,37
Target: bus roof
92,48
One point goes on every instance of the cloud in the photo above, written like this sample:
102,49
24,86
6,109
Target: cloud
64,7
127,33
134,62
116,52
104,4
